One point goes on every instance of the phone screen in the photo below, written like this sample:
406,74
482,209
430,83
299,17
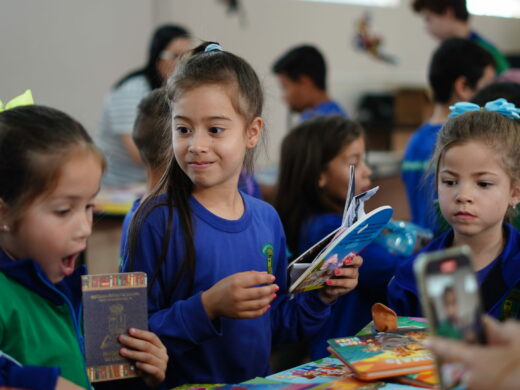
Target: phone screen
451,302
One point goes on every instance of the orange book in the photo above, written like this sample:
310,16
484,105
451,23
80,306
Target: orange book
384,354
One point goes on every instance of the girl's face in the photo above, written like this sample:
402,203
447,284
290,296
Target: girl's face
474,189
335,178
55,227
210,138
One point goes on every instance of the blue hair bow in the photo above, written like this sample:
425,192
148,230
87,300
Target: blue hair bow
501,106
213,47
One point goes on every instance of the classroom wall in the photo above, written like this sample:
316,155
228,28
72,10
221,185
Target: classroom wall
269,27
70,52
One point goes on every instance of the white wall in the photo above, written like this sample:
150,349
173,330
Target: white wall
272,26
69,52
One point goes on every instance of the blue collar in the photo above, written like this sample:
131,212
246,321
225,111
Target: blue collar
29,274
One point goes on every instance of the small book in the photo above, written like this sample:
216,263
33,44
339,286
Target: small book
320,371
112,303
384,354
426,379
317,264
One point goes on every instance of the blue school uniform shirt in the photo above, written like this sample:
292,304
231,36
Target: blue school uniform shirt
222,350
420,189
329,107
403,295
352,311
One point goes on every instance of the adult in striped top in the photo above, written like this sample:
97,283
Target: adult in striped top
168,44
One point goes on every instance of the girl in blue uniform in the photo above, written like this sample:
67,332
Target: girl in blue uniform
50,173
216,257
477,160
312,188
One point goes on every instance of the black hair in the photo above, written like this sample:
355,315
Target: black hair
162,36
34,141
507,90
152,128
441,6
454,58
303,60
201,68
306,151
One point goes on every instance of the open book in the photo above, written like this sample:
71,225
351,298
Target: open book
317,264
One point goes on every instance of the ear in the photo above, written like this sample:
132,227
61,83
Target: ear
306,81
515,194
4,226
462,92
254,131
322,182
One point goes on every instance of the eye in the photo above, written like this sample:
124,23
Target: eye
448,182
90,206
216,130
62,212
484,184
182,130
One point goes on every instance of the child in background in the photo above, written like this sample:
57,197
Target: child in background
477,160
312,188
458,69
211,252
50,173
153,138
302,74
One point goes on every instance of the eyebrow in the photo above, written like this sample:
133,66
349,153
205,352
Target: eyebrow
74,197
214,117
473,174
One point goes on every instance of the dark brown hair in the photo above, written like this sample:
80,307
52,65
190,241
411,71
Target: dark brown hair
440,6
200,68
306,151
34,143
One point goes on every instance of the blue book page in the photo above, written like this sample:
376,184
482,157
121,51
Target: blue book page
346,244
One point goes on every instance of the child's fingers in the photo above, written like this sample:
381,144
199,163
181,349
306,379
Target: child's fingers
261,292
253,313
347,284
147,336
255,304
149,369
350,273
356,262
252,278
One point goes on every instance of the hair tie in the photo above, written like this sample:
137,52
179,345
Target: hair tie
25,99
212,47
500,106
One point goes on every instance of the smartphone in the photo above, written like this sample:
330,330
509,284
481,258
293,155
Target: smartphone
451,303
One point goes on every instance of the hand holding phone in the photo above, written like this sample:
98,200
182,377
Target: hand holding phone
451,302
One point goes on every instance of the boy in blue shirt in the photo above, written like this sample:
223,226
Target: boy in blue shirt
302,75
458,69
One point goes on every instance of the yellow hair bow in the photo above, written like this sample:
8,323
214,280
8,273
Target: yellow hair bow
25,99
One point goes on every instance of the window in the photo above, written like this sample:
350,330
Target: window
374,3
503,8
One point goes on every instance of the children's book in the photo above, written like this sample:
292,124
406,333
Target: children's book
403,323
319,371
426,379
384,354
351,383
317,264
112,303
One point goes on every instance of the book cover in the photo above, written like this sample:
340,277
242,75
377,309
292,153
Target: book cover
384,354
351,383
320,371
403,323
426,379
317,264
112,303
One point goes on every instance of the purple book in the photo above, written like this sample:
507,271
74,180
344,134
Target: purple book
112,303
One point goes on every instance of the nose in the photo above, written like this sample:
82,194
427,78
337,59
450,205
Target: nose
463,194
84,224
198,142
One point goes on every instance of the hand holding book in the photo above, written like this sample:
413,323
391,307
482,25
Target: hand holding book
345,279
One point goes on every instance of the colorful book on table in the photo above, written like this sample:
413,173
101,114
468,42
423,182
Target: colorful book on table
426,379
316,265
384,354
112,303
319,371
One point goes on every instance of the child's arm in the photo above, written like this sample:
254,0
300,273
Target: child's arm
345,280
148,352
13,374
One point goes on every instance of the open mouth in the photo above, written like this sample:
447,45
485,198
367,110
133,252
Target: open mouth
68,263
